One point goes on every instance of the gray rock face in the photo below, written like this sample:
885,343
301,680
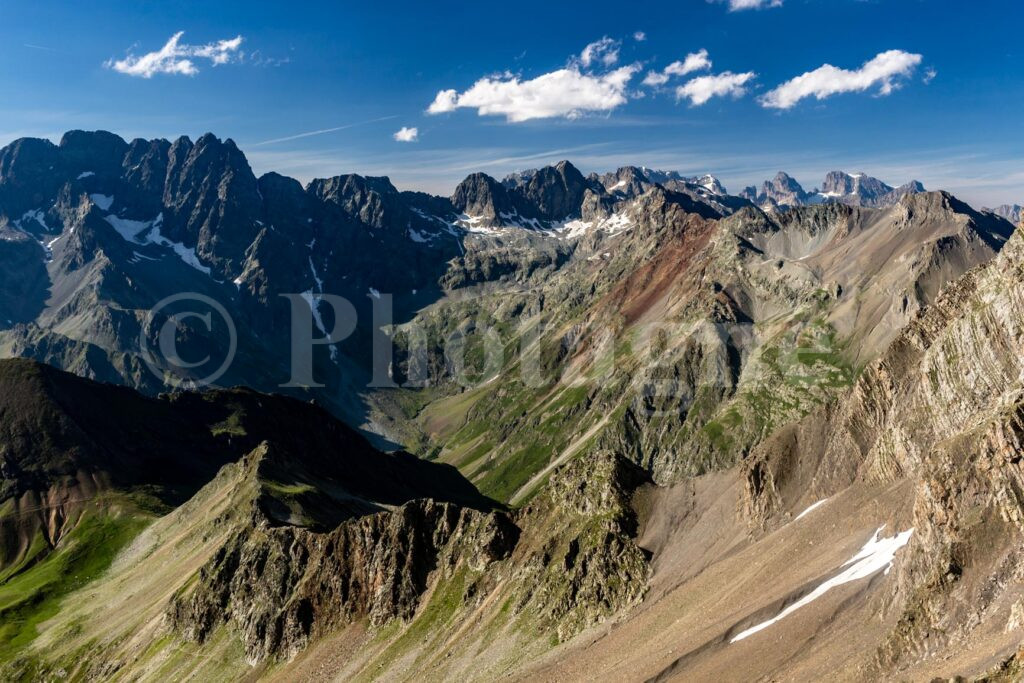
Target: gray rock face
861,189
838,182
552,194
783,190
481,195
631,182
1011,212
373,201
211,200
282,587
30,171
556,191
858,189
97,152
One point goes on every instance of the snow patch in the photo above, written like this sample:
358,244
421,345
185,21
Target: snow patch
314,306
475,224
576,228
103,201
184,253
130,229
39,217
811,508
514,220
148,232
316,277
510,221
877,554
36,215
615,224
612,225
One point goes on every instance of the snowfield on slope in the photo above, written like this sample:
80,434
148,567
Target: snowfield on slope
877,554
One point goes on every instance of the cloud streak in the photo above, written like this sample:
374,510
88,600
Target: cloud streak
738,5
322,131
176,57
695,61
885,70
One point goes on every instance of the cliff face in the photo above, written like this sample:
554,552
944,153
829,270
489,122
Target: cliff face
944,408
579,563
280,587
564,563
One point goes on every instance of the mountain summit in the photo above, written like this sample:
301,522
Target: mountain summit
854,189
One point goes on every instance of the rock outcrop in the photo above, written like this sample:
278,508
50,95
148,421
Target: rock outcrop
565,562
279,587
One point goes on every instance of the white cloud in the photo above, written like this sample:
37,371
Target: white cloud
695,61
445,101
566,92
655,78
176,58
407,134
929,75
737,5
605,50
639,36
827,80
701,89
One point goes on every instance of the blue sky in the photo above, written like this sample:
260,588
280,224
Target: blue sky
952,71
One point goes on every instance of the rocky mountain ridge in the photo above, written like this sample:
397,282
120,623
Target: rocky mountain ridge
856,189
1011,212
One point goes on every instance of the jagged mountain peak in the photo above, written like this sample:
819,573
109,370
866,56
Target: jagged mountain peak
96,151
1011,212
842,184
351,183
481,195
859,189
556,191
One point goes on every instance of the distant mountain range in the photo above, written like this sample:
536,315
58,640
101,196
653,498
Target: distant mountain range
856,189
1011,212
